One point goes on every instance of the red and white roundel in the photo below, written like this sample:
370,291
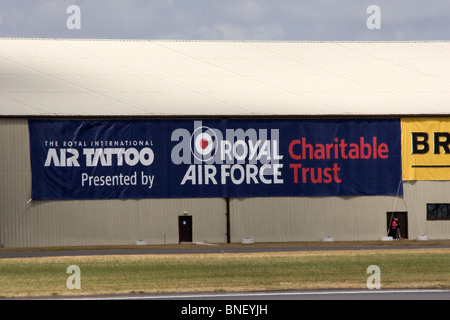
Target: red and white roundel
203,143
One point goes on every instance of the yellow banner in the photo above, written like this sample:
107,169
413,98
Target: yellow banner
426,148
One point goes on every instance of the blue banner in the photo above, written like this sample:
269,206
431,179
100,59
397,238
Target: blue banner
132,159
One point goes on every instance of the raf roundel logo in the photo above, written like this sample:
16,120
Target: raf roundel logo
204,143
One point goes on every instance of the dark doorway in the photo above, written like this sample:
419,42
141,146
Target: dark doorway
402,218
185,228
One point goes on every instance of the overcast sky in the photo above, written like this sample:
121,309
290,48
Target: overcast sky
298,20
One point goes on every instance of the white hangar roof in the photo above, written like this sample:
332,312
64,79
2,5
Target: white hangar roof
61,77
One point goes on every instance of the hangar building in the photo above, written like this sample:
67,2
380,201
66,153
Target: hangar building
319,94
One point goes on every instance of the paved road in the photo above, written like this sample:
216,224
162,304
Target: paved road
234,248
275,300
345,294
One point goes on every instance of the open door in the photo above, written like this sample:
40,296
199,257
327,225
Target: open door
402,218
185,228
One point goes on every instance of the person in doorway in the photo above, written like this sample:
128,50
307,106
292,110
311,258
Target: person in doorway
394,228
398,235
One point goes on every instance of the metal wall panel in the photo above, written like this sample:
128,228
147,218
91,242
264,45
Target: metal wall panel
416,196
310,219
342,218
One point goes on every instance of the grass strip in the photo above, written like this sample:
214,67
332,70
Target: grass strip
417,268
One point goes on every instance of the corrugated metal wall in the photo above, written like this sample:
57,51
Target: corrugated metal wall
25,223
113,222
342,218
311,219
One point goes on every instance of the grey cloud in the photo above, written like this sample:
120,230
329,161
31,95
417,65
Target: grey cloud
235,32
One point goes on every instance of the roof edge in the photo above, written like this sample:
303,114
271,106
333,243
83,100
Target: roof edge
220,41
237,116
